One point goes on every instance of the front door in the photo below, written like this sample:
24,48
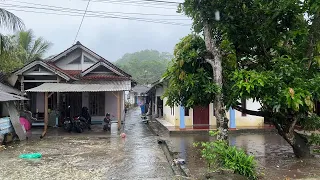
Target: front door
201,117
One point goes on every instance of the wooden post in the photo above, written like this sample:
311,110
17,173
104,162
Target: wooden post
14,118
22,90
119,111
46,118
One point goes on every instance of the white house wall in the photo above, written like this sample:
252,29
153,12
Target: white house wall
241,121
249,120
63,63
86,65
173,119
111,105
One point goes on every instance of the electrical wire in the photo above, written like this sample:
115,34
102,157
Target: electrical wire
101,16
69,10
136,3
84,14
105,12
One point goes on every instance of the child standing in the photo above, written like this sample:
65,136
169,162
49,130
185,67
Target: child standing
107,123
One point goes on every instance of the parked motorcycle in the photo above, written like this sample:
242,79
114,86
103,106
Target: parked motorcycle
83,121
77,123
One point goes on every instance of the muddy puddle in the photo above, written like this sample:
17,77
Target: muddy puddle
274,156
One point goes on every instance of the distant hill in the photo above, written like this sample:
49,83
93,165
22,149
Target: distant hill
145,66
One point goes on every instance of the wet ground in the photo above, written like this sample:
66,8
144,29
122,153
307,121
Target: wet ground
274,156
104,155
90,155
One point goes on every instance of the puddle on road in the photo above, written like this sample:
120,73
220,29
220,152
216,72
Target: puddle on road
273,155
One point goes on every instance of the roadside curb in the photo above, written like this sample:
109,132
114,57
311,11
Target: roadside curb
180,171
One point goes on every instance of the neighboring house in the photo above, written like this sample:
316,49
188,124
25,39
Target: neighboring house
199,117
76,77
8,110
138,95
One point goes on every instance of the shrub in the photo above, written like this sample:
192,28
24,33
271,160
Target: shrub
314,139
218,154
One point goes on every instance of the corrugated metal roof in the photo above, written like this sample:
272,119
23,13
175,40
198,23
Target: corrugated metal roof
10,97
9,89
66,87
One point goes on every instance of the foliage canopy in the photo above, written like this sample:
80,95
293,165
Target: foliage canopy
271,54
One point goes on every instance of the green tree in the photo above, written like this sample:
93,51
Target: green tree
269,52
8,60
9,22
30,48
145,66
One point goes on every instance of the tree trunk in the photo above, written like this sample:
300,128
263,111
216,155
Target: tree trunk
300,146
216,63
298,142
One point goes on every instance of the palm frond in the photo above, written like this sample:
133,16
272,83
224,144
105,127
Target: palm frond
10,21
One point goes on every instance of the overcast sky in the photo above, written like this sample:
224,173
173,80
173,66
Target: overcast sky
111,38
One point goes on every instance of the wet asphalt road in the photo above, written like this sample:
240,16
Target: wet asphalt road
90,155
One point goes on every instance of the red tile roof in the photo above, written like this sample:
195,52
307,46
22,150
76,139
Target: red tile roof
103,77
59,69
76,75
73,73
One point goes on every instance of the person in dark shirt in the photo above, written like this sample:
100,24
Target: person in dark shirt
107,123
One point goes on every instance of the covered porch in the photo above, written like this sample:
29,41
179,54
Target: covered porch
54,98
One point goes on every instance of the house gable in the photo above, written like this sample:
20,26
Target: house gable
102,68
40,68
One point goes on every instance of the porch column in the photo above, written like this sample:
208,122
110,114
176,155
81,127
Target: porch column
58,95
119,111
156,106
58,108
22,90
152,106
232,118
182,115
46,118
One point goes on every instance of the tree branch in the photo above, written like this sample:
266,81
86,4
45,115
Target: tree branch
255,113
295,120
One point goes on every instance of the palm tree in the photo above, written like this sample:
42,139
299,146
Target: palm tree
31,48
11,22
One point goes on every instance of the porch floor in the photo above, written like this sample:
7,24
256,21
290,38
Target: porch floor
96,130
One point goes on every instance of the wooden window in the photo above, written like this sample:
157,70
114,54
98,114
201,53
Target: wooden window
244,106
186,111
97,103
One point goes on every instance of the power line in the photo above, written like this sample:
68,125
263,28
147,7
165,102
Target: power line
105,12
104,17
155,2
69,10
84,14
135,3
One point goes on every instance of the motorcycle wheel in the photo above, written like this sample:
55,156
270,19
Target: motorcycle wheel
79,129
67,127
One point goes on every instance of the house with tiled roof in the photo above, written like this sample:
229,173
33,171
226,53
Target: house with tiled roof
77,77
